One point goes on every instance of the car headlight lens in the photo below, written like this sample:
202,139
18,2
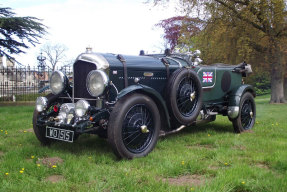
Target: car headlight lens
58,82
81,108
97,81
41,104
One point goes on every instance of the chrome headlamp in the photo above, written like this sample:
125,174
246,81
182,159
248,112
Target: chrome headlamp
58,82
81,108
41,104
97,81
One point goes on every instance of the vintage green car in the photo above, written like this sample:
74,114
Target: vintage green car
132,100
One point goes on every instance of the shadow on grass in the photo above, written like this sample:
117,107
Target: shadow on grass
85,144
92,144
205,127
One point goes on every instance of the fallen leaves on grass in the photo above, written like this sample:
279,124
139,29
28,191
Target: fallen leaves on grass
262,166
186,180
29,130
51,162
55,178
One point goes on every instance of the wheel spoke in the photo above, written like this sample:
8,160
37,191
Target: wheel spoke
246,117
134,139
184,103
130,135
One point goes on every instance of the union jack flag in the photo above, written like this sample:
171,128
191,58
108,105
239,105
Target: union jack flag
207,77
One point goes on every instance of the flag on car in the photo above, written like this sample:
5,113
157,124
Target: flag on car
207,77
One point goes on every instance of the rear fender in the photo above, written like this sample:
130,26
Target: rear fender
235,97
155,96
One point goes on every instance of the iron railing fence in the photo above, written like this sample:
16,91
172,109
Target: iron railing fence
24,83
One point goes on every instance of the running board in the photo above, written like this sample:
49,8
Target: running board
163,133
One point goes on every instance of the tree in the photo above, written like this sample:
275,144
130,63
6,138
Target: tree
18,33
176,28
257,26
55,54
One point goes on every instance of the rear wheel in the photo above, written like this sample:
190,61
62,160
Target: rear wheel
247,114
134,126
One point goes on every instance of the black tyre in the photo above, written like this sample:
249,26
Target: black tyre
40,131
247,114
184,96
134,126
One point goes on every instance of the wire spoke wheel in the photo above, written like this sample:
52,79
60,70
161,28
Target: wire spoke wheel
137,129
247,114
184,96
187,96
134,126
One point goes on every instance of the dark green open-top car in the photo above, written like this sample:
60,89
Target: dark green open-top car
131,100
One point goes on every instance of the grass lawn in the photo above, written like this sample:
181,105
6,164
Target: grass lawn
208,157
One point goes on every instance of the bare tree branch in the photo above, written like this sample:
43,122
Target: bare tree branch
55,54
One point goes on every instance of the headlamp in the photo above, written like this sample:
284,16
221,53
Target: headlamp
58,82
41,104
81,108
97,81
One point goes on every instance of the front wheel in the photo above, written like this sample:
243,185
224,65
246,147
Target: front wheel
40,131
247,114
134,126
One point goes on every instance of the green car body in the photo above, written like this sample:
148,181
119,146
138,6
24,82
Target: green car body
131,100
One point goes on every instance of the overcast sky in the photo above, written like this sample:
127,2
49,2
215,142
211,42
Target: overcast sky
114,26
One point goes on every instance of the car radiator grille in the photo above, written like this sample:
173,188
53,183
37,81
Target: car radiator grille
81,71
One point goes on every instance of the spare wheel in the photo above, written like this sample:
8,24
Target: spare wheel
184,96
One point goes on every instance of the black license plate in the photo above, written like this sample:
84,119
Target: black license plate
60,134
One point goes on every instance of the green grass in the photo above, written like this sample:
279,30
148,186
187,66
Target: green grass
224,161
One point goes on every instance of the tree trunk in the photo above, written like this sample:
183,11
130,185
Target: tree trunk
277,74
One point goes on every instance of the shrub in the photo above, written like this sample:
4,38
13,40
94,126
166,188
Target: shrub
261,82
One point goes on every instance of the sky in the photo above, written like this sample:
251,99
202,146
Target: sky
108,26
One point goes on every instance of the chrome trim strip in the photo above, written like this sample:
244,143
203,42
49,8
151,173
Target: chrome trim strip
95,58
80,98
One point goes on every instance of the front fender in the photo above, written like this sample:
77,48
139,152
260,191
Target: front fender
235,97
154,95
